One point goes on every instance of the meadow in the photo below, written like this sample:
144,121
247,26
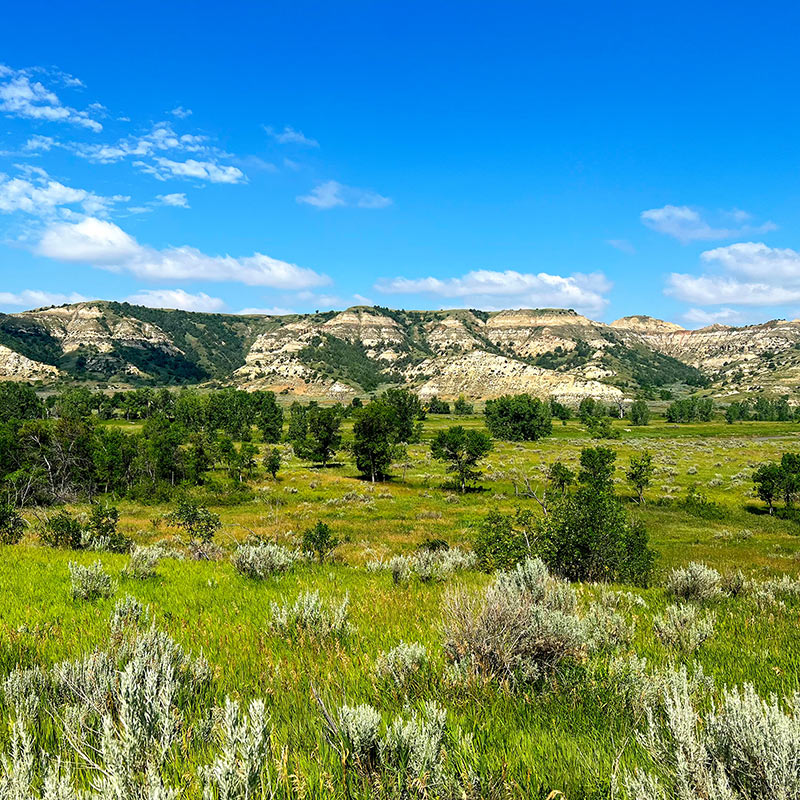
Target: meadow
572,733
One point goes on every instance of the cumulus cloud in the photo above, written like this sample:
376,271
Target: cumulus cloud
181,113
290,136
35,298
176,298
38,143
748,274
493,289
716,290
177,199
39,195
165,168
700,317
103,244
331,194
22,96
687,224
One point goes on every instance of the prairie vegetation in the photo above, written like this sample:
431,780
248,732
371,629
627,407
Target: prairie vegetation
609,618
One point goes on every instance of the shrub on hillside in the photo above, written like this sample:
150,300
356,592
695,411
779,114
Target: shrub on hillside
62,530
694,582
519,629
310,616
262,559
683,627
90,583
402,662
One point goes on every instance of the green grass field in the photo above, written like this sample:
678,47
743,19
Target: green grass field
569,733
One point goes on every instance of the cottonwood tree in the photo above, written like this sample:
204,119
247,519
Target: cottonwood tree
640,473
461,448
323,437
374,440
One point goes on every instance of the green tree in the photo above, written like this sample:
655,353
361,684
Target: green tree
323,437
504,540
19,401
272,462
462,449
769,479
587,536
374,447
461,407
407,409
597,468
196,521
560,477
298,423
640,413
640,473
320,540
268,416
518,418
437,406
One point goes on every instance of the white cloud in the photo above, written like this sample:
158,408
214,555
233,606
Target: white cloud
177,199
39,143
751,274
723,316
686,224
493,289
105,245
181,113
160,138
332,194
39,195
35,298
716,290
275,311
22,97
165,168
757,260
176,298
290,136
622,244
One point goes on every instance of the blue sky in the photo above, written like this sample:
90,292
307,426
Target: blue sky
616,158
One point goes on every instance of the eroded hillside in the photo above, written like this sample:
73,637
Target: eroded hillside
480,354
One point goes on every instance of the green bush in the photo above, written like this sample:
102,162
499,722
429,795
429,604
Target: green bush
320,540
698,505
504,540
518,418
12,525
62,530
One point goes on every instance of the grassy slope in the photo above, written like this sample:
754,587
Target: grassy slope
567,737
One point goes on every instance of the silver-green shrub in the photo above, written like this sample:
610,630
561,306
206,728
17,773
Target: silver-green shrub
239,770
695,581
263,559
521,627
683,627
402,662
746,748
310,616
142,562
90,583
